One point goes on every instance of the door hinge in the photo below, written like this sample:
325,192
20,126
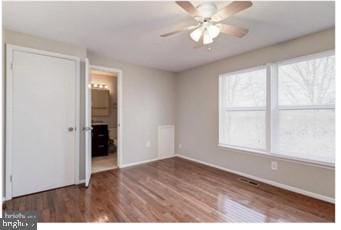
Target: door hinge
11,65
11,178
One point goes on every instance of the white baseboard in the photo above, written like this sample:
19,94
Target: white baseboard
81,181
163,158
146,161
266,181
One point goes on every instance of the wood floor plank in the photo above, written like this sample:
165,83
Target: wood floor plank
172,190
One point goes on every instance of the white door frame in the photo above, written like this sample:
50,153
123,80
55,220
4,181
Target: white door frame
9,90
87,123
119,108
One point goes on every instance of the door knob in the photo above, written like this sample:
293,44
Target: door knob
70,129
87,128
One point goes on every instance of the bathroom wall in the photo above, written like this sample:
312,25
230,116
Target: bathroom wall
111,119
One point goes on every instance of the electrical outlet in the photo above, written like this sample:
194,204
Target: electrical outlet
274,165
148,144
180,146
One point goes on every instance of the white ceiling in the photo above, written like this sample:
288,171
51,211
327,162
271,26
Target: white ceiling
129,31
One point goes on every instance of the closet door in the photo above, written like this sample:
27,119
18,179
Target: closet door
42,124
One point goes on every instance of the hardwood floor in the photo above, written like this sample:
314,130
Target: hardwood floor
172,190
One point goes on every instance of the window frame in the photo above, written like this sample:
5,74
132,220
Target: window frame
241,108
272,109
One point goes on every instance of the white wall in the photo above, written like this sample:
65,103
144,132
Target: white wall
26,40
197,117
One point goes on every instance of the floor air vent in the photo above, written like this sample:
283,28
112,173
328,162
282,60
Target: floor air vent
248,181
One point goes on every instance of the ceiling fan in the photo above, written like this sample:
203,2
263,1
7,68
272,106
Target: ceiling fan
209,17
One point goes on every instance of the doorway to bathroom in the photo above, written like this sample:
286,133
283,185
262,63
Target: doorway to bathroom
103,120
102,127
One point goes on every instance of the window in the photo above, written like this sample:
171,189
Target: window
306,99
243,107
285,109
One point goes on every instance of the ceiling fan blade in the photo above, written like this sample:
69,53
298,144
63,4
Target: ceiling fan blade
230,10
232,30
188,7
179,31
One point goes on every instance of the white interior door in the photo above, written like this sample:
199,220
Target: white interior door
166,141
87,129
42,111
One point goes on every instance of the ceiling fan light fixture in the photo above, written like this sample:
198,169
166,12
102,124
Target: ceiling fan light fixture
209,20
213,30
196,34
207,38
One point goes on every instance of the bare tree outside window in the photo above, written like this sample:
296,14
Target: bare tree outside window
244,115
245,89
304,113
308,82
308,133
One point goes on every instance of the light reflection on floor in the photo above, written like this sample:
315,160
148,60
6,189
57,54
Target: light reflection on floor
238,212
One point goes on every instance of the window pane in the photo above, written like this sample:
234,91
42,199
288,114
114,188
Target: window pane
307,134
309,82
243,129
245,89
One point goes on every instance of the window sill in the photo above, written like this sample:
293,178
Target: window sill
277,156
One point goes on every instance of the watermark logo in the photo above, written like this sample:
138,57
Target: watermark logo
18,220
